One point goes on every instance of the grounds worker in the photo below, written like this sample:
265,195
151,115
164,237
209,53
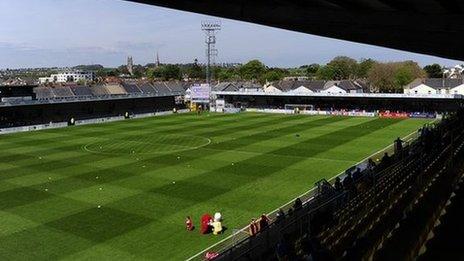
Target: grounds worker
217,224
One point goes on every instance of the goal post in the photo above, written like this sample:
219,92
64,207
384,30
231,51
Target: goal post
296,108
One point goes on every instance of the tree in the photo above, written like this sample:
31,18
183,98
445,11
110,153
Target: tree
364,67
253,70
326,73
170,72
150,74
272,75
195,71
165,72
381,77
407,72
102,73
139,71
226,74
392,77
434,71
343,67
310,70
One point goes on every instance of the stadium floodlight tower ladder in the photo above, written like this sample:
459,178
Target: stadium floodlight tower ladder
211,28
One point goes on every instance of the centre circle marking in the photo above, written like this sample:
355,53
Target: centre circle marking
147,144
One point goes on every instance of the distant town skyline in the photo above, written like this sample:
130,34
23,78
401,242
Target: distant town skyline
52,33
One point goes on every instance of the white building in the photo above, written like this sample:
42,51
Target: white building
435,86
457,90
271,89
342,87
302,89
68,76
294,86
456,72
418,86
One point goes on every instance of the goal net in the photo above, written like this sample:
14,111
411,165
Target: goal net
296,108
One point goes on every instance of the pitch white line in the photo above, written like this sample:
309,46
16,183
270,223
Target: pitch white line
187,148
307,192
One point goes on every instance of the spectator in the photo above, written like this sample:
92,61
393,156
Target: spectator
290,212
253,228
338,185
370,164
386,161
298,204
263,222
398,146
348,182
280,215
357,174
189,224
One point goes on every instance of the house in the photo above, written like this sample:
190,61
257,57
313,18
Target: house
418,86
435,86
342,87
296,86
226,87
271,88
455,73
308,86
279,86
457,87
250,87
296,78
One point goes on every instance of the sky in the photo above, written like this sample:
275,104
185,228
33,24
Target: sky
46,33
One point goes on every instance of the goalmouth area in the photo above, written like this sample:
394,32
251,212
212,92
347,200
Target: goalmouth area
122,190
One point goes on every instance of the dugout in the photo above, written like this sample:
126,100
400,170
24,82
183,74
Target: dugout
37,112
368,102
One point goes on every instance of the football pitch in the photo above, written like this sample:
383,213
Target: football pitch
122,190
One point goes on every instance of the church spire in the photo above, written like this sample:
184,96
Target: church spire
157,63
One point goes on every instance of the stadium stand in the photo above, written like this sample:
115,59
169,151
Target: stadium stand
174,86
63,110
161,87
81,91
131,88
363,102
99,90
446,241
43,93
146,88
115,89
384,212
62,92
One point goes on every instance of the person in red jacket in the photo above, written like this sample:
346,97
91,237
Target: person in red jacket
253,228
206,220
188,224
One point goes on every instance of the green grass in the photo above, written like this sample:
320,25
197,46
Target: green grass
242,165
